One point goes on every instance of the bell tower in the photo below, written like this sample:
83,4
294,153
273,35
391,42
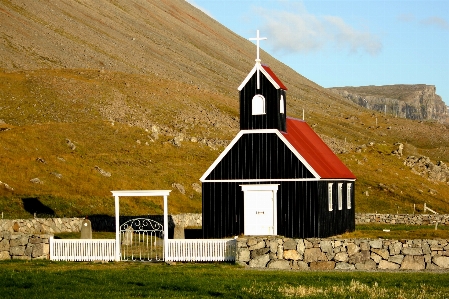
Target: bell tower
262,97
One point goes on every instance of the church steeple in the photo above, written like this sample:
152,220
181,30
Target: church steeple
262,97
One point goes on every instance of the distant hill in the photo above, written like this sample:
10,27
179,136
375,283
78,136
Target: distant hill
418,102
111,95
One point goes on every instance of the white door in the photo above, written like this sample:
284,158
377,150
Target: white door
259,212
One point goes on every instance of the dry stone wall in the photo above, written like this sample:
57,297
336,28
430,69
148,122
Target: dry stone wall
24,246
41,225
413,219
342,254
102,223
191,219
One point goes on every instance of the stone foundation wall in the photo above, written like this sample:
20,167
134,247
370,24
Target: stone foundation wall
414,219
342,254
24,246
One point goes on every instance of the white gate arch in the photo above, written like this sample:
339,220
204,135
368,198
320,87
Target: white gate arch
122,193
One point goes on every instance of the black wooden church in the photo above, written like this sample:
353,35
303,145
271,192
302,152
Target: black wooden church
276,177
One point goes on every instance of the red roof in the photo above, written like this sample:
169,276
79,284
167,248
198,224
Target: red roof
319,156
273,76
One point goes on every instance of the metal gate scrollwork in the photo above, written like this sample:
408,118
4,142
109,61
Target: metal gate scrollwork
141,239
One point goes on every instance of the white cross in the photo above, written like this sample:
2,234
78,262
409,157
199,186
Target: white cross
258,39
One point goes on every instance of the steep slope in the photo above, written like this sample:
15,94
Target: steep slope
106,95
169,38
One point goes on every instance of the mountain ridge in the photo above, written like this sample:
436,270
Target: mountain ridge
412,101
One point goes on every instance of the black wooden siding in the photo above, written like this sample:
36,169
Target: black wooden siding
259,156
273,119
302,209
222,210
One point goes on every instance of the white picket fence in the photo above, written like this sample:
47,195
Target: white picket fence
190,250
200,250
82,249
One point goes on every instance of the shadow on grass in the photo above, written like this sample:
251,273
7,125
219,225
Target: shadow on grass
34,206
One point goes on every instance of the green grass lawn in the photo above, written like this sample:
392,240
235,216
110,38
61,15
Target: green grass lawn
398,231
77,235
46,279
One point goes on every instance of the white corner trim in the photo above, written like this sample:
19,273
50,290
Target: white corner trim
258,67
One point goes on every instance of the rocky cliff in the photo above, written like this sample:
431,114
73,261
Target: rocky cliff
418,102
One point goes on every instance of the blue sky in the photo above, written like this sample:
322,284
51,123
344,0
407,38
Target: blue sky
348,43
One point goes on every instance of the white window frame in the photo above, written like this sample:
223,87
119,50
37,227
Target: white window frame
282,105
340,196
258,105
329,196
348,196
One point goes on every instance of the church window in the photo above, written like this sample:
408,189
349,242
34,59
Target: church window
340,196
258,104
281,105
348,195
329,196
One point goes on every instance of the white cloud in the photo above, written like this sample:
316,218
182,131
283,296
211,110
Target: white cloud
296,30
346,36
436,21
406,17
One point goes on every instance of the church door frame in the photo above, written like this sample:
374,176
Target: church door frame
260,207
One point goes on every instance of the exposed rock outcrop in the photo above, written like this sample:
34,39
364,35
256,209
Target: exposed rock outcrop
103,172
426,168
418,101
398,152
6,186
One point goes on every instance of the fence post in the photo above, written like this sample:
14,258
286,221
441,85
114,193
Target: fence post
51,247
165,247
117,228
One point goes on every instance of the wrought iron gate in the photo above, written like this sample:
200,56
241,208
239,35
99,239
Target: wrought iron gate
141,239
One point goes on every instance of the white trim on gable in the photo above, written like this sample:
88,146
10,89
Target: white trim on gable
222,155
258,67
261,180
240,134
298,155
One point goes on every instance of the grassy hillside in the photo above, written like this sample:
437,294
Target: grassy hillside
151,103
